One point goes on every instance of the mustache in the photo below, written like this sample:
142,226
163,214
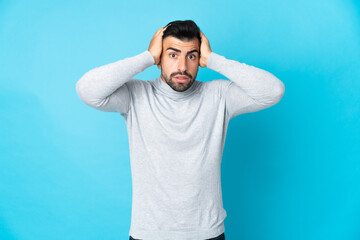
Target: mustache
179,73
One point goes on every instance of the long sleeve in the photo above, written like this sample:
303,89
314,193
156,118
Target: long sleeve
104,87
250,89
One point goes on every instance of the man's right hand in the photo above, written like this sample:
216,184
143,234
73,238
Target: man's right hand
155,47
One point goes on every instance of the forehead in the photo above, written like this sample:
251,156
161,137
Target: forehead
179,44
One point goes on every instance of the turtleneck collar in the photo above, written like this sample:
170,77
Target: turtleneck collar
165,89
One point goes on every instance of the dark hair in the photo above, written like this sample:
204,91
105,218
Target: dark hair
184,30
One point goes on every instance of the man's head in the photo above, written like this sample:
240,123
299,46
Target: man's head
179,61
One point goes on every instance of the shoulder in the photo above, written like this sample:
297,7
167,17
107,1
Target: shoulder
217,85
137,84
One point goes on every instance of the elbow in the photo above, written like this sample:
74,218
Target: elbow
279,92
272,94
79,90
83,91
87,94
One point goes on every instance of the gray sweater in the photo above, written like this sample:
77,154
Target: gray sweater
176,139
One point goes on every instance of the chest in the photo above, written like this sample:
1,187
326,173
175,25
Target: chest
198,111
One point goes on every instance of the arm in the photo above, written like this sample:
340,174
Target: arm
104,87
250,89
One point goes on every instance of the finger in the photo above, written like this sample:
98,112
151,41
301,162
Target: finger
161,30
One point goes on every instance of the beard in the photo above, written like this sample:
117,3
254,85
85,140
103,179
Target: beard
177,86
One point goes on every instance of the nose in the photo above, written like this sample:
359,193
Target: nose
182,64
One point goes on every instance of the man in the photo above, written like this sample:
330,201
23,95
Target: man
177,127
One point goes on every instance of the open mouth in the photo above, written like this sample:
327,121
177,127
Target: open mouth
181,78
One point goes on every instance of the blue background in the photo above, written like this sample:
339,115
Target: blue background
291,171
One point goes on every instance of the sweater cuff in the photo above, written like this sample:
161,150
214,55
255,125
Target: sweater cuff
147,57
215,61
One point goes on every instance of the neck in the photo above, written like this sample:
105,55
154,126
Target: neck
165,89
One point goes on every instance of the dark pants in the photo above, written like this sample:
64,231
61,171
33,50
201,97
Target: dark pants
220,237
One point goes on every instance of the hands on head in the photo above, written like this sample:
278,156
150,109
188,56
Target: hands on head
155,47
205,50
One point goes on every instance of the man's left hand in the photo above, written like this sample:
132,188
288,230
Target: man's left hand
205,50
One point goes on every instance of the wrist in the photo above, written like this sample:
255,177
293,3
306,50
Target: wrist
204,59
156,59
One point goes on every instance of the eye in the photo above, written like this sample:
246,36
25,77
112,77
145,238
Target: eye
193,56
171,54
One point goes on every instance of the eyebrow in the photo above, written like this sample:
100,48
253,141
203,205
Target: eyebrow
177,50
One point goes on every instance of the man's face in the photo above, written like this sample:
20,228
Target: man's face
179,62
